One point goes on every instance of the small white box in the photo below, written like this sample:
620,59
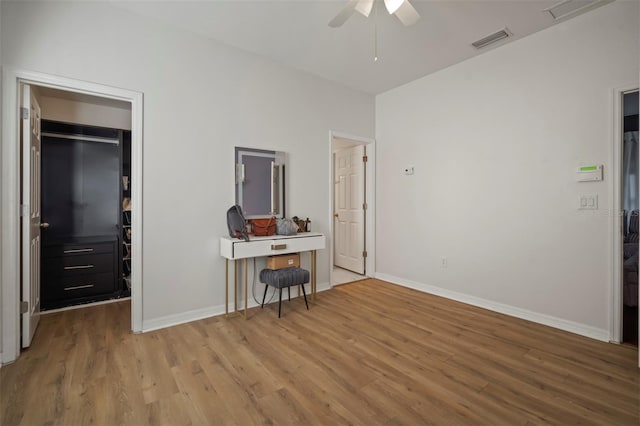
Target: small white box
589,173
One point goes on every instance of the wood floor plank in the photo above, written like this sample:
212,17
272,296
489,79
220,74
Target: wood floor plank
367,353
205,401
174,410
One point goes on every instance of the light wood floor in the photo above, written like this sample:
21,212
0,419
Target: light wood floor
367,353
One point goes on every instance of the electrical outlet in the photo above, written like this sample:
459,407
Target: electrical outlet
408,170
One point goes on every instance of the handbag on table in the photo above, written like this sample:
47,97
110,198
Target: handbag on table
263,227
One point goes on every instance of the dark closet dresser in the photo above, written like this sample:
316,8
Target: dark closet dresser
81,211
79,268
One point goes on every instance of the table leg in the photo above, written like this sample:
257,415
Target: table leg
302,284
313,275
226,287
235,286
246,293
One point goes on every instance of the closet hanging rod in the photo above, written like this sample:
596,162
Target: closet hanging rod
82,138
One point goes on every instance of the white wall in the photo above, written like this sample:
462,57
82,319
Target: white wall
495,141
1,195
201,99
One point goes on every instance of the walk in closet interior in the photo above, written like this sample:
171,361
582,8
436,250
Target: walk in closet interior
85,199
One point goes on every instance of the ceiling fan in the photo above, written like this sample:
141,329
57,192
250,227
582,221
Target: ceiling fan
403,10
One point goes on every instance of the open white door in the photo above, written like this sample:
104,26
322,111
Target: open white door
349,207
30,214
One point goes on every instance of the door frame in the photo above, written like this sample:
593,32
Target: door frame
615,216
11,168
370,192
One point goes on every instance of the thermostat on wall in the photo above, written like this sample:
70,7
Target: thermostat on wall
589,173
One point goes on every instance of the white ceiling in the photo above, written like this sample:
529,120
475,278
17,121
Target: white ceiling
295,33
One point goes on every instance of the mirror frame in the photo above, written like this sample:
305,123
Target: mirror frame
275,185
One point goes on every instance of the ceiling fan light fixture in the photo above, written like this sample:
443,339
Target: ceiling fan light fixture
393,5
402,9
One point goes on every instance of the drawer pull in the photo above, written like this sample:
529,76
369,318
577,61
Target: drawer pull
77,287
278,246
78,267
78,250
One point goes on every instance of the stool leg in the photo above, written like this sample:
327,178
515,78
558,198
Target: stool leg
279,302
266,287
304,293
289,290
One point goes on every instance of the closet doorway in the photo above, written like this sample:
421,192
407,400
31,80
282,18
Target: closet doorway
83,126
79,173
352,208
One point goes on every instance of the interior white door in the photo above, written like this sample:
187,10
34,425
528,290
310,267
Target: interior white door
30,213
349,202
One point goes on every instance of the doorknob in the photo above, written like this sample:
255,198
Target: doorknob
44,225
335,214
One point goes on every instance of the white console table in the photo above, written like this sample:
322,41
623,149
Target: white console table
236,249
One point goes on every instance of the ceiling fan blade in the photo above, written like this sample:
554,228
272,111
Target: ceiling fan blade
393,5
364,7
407,14
344,14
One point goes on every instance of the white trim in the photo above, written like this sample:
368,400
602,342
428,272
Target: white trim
370,215
137,141
615,209
181,318
10,260
198,314
562,324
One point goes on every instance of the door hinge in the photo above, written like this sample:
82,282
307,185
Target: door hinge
364,253
24,307
24,210
365,158
364,206
24,113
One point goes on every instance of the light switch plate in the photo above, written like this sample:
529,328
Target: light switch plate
588,202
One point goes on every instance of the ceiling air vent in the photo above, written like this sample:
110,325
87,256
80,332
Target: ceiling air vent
492,38
573,7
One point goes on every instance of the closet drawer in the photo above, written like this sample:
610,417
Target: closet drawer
68,266
80,286
78,249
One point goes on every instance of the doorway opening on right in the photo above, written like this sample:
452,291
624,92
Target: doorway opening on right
349,158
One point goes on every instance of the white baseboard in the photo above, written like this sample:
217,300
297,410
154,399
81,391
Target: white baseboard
198,314
181,318
562,324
